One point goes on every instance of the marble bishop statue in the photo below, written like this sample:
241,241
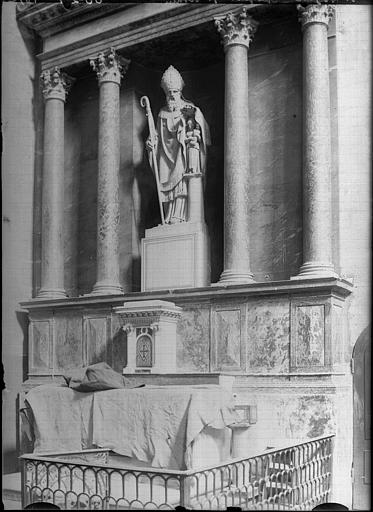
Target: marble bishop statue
180,146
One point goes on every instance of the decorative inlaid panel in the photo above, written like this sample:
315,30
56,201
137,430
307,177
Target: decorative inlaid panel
306,416
310,350
95,339
69,342
337,334
193,339
144,351
311,333
268,336
227,338
41,350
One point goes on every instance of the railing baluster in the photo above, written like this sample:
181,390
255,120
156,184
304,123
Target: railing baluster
296,477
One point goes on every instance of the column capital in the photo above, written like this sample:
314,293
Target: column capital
236,28
109,66
55,84
315,13
128,328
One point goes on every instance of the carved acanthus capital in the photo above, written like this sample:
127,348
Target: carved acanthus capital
154,326
315,13
128,328
236,28
109,66
55,84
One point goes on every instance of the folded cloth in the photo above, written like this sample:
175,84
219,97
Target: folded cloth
96,377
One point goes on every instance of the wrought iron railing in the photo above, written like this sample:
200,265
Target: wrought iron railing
294,477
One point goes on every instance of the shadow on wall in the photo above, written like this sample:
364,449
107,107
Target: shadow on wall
113,351
23,321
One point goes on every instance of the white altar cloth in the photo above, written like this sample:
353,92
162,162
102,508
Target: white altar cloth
154,424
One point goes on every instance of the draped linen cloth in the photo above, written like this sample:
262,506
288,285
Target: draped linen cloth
154,424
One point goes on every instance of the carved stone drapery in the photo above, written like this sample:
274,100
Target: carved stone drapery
236,31
317,213
109,68
55,86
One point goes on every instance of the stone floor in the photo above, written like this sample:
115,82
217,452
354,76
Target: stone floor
11,494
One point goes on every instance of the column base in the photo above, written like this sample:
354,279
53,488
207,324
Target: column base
51,293
107,289
235,277
315,269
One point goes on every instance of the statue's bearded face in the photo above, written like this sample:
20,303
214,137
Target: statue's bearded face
173,98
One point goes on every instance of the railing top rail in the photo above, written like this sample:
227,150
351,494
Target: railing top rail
253,456
63,454
164,471
99,465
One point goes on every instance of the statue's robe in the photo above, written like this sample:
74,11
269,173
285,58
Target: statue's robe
172,157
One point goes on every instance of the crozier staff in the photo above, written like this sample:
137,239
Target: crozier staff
172,143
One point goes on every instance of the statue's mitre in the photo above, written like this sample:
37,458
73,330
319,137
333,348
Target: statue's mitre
172,79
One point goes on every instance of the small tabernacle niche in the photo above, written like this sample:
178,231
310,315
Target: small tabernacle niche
151,335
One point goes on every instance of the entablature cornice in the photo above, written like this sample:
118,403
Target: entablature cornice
49,18
121,34
336,287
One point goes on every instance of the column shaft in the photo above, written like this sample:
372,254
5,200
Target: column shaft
108,214
236,166
236,31
317,207
55,87
52,263
109,67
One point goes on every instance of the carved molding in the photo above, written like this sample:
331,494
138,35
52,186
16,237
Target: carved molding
315,13
236,28
155,314
55,84
52,17
109,66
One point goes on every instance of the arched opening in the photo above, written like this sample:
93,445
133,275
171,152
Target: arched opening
361,421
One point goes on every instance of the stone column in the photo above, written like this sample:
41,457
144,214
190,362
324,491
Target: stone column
109,68
236,31
55,88
317,208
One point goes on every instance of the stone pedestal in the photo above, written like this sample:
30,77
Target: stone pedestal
240,440
175,256
151,335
